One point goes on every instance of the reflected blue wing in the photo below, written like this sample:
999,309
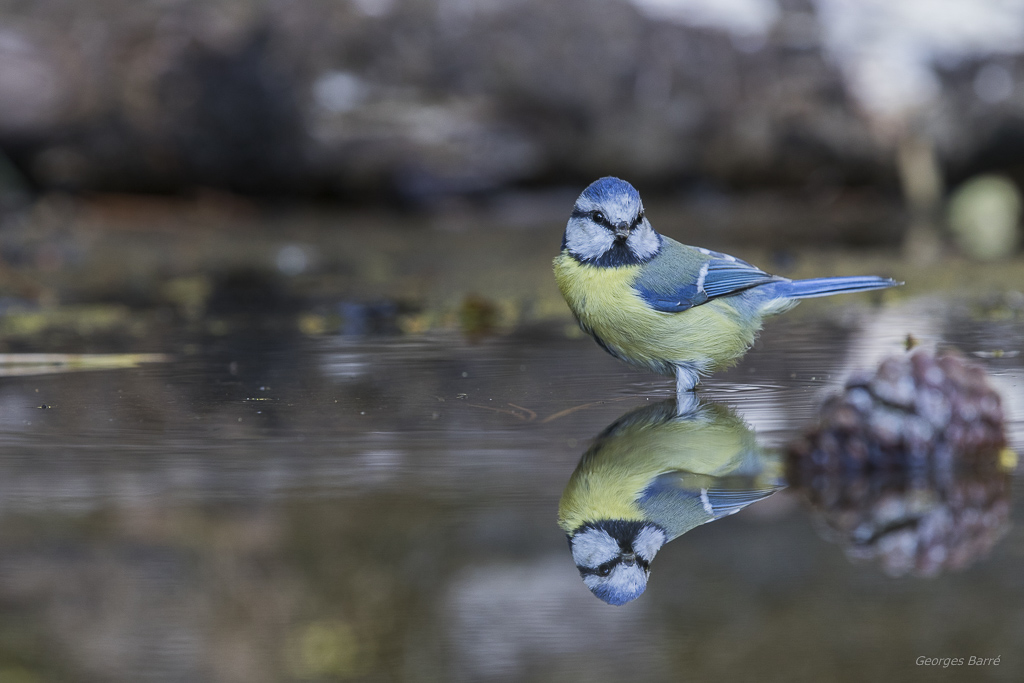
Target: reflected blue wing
679,501
728,501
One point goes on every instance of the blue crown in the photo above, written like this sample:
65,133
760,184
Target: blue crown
617,597
608,188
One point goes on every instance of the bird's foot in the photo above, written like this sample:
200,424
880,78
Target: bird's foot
687,378
686,385
687,403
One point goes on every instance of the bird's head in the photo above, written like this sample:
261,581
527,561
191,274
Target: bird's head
614,557
608,227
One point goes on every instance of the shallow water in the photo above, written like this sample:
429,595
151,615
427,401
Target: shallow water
264,506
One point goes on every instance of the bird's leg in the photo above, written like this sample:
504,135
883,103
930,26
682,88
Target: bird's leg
686,380
686,403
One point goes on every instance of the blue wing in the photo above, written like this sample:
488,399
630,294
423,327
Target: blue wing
684,297
725,277
679,501
692,284
729,501
719,496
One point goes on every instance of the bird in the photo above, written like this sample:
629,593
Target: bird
663,306
651,476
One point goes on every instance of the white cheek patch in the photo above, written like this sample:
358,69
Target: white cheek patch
648,542
643,241
586,239
593,547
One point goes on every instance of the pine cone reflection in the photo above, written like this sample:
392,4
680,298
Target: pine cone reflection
908,466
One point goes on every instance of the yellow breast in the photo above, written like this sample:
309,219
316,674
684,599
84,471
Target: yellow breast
708,336
609,492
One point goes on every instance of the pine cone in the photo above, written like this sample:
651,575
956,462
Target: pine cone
905,466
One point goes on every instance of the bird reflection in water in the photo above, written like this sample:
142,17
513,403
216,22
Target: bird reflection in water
650,477
908,466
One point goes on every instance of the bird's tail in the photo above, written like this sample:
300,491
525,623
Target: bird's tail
826,286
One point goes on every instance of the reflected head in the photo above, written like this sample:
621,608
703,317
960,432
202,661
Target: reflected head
614,557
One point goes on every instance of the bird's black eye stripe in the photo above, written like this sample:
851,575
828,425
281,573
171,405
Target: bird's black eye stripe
601,570
602,219
606,568
597,216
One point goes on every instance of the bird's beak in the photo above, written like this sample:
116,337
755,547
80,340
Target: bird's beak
629,559
621,231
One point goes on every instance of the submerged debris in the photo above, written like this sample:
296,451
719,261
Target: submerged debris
908,466
477,317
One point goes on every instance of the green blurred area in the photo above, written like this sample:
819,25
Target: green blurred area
100,276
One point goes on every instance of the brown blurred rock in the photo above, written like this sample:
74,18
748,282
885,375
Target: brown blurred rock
33,88
415,98
425,98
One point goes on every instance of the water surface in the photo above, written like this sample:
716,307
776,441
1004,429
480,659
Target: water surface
265,506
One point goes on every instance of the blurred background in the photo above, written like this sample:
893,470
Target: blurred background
262,130
287,391
424,100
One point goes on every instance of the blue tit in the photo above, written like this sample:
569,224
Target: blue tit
652,476
660,305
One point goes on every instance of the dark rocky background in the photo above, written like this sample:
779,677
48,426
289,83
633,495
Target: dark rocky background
416,100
